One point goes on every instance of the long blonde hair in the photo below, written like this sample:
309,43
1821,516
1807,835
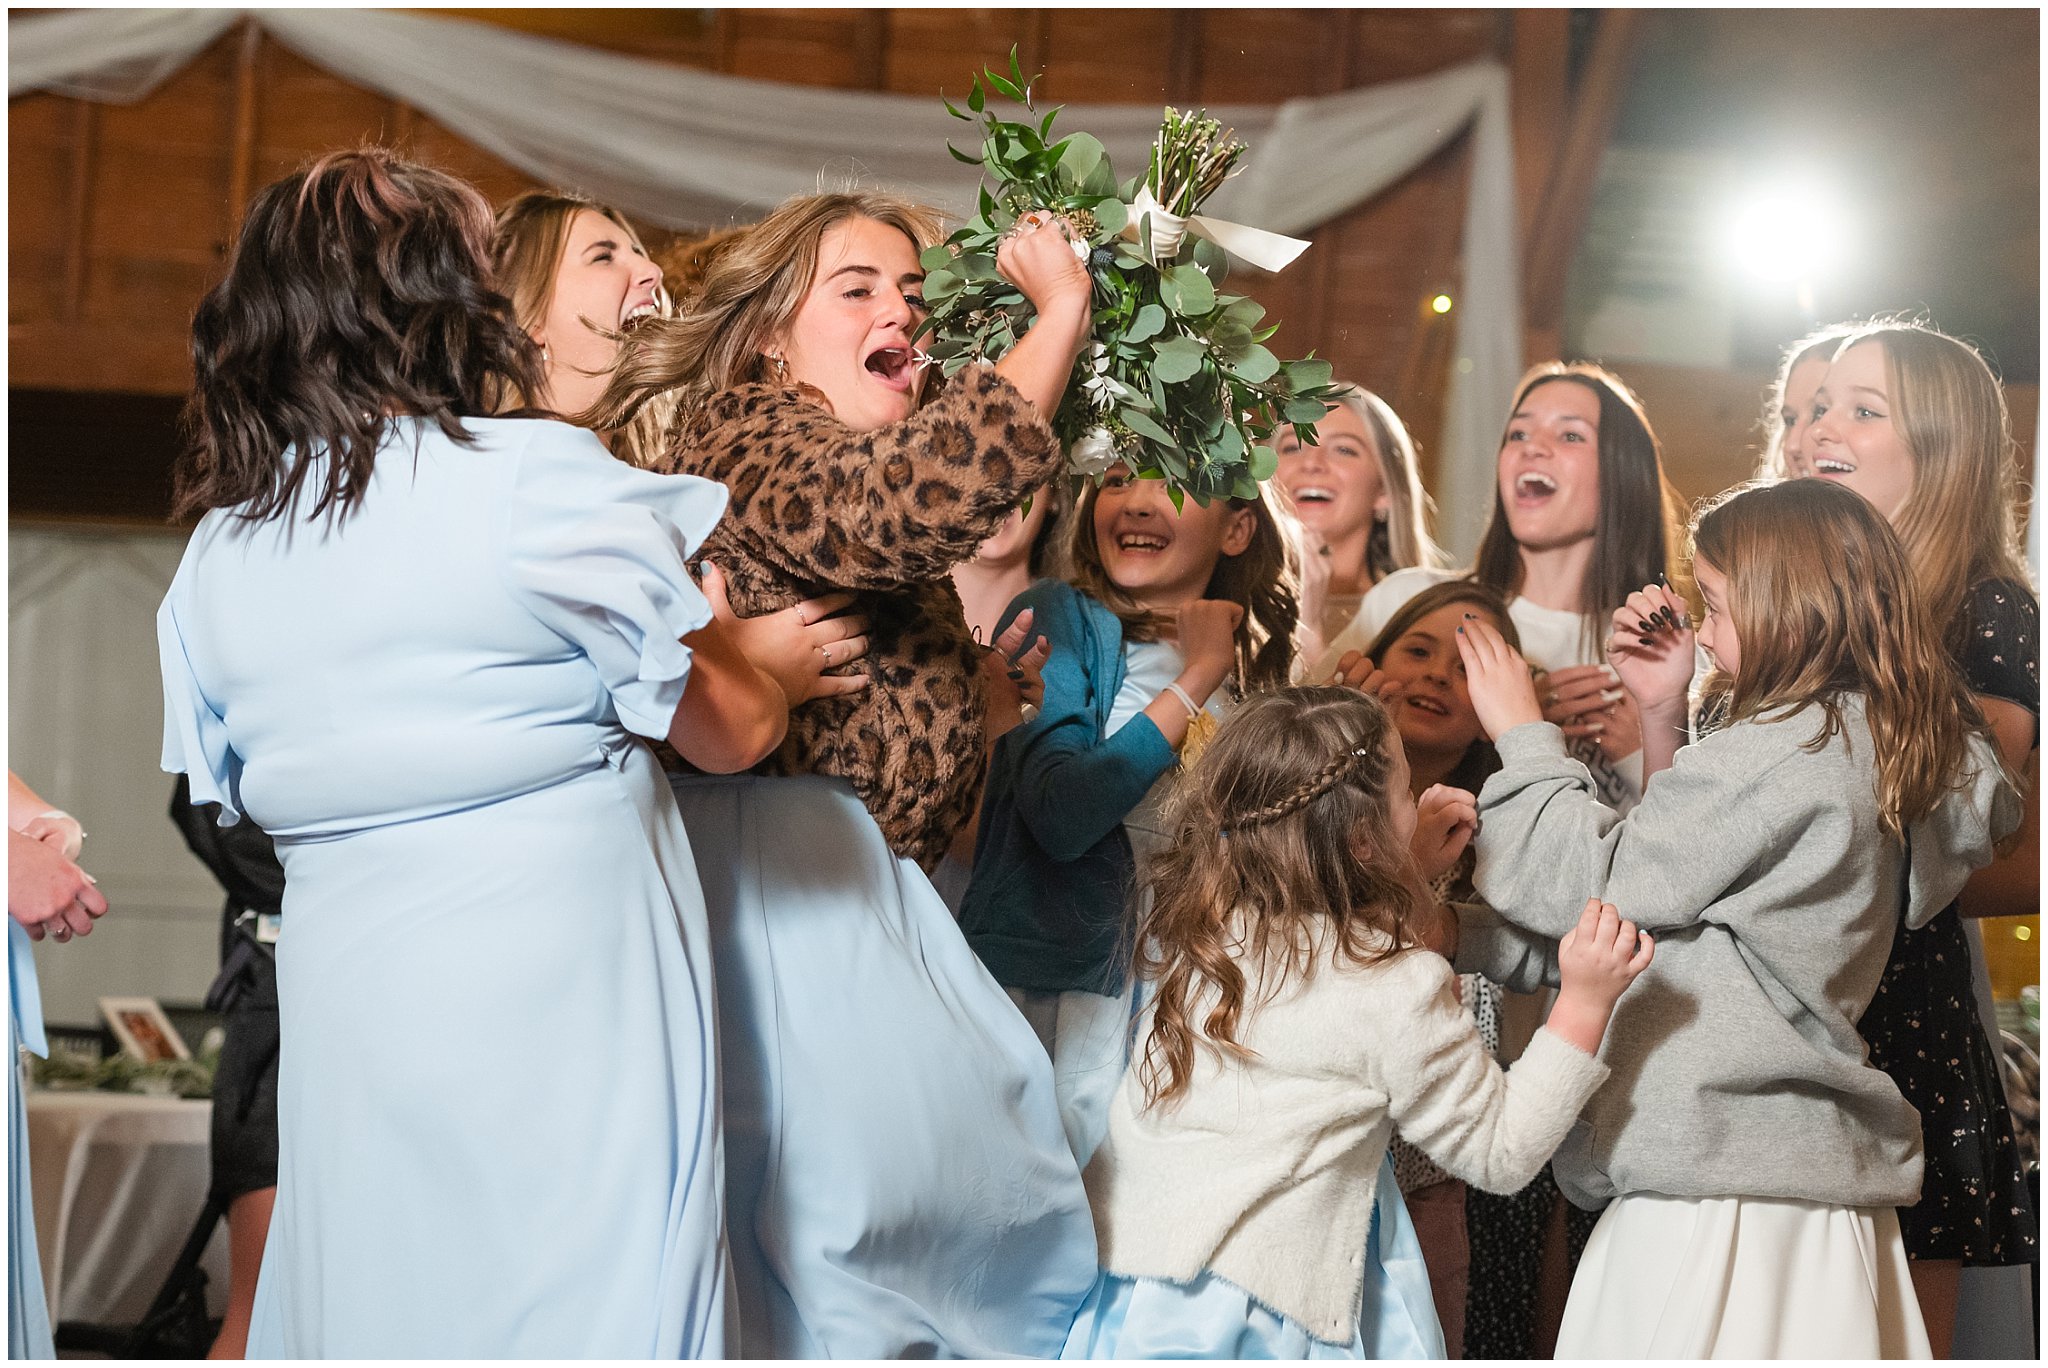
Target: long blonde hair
1403,540
1824,604
1960,522
527,245
752,289
1819,345
1283,844
1261,579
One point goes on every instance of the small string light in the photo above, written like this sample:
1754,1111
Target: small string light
1441,304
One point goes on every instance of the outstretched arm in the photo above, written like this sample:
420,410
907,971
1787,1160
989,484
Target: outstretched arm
1549,843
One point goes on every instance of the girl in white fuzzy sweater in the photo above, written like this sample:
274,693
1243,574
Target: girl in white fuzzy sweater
1299,1019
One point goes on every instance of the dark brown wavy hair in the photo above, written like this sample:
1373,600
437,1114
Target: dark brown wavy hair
1637,528
1283,847
1480,759
1261,579
358,290
1825,605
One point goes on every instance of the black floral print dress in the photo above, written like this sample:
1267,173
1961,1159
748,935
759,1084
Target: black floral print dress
1923,1028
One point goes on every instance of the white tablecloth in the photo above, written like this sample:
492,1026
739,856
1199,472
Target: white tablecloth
119,1181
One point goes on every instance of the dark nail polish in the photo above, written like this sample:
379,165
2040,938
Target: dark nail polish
1461,629
1646,641
1642,626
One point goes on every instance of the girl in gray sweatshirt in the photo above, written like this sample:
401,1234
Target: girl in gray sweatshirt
1750,1156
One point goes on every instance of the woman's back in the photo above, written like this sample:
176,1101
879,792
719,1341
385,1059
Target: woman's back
423,654
427,703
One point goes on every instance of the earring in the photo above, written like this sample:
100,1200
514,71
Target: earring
781,366
545,358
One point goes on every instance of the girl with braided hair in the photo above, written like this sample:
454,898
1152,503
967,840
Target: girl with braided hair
1298,1018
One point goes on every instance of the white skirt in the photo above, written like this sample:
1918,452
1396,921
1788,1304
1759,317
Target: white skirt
1742,1277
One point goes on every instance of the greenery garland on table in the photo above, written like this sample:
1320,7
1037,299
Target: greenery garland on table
67,1070
1176,381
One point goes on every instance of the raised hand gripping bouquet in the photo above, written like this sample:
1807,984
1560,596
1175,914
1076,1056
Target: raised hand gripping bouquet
1176,380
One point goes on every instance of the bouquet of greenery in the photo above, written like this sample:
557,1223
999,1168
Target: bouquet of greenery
1176,381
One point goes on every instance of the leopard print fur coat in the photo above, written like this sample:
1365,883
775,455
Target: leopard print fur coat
817,506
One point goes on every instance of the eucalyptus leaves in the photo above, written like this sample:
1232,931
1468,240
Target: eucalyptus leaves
1177,381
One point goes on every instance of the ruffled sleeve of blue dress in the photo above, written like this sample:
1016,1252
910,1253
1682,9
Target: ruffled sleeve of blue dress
597,549
195,730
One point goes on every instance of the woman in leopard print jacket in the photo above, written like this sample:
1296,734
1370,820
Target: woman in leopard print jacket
898,1184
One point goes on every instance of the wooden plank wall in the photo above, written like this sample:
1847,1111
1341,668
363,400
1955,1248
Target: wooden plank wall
120,216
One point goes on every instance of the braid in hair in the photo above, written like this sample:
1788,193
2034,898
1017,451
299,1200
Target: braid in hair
1285,850
1332,772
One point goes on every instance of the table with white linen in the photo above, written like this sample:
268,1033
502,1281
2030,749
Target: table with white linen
119,1181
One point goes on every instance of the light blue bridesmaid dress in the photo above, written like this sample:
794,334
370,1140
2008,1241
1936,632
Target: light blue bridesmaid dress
28,1310
497,1088
898,1182
1208,1318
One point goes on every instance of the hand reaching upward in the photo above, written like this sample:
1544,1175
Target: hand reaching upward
1496,676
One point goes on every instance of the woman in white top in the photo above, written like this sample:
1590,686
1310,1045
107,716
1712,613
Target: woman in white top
1582,517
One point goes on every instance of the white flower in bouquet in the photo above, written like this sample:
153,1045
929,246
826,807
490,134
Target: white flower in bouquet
1093,453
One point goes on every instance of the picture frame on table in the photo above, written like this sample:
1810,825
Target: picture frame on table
142,1029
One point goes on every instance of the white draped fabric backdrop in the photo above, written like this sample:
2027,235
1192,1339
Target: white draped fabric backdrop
693,149
674,146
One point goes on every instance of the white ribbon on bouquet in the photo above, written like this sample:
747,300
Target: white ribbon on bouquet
1267,251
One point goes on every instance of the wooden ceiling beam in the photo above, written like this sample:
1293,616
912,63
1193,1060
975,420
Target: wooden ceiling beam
1539,84
242,155
1560,218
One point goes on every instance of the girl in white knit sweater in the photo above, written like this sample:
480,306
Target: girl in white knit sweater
1299,1019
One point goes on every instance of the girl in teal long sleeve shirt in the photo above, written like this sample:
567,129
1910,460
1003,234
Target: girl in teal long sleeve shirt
1172,614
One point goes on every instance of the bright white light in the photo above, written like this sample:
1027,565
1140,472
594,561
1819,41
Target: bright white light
1788,234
